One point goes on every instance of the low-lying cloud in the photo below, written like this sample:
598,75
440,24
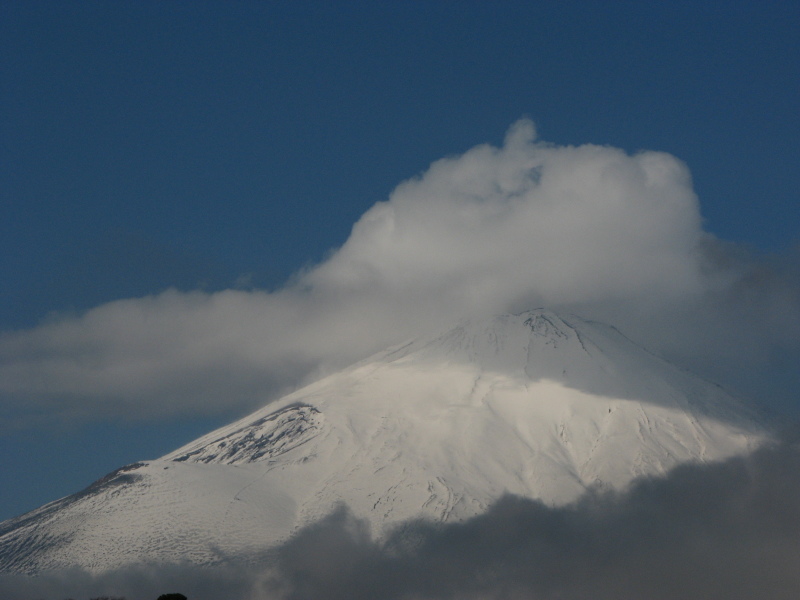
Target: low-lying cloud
590,229
725,531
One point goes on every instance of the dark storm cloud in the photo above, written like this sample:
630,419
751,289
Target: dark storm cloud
589,229
728,531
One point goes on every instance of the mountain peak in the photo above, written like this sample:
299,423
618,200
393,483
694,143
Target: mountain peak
538,404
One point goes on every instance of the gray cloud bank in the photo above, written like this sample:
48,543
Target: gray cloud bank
728,531
590,229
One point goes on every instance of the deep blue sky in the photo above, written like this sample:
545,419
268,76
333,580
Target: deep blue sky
206,145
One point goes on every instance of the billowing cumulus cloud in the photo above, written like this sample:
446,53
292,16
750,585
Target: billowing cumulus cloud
590,229
724,531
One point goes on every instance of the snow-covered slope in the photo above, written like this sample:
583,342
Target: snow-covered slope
536,404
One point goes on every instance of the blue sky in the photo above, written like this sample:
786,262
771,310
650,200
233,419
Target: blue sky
213,146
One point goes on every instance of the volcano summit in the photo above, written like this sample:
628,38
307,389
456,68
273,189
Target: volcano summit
536,404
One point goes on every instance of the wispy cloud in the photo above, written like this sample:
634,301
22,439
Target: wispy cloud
592,229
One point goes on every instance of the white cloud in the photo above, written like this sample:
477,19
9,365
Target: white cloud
587,228
588,222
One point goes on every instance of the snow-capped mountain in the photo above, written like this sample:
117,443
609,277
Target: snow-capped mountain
535,404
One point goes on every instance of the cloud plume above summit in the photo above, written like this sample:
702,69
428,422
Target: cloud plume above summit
589,229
